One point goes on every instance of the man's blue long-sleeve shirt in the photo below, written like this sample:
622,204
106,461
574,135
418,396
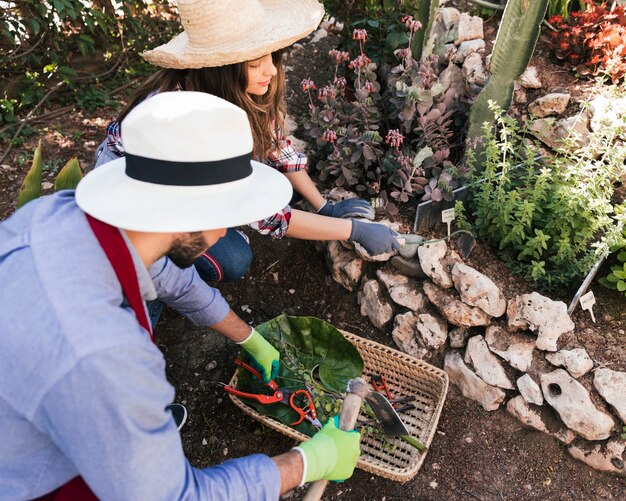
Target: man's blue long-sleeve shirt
82,388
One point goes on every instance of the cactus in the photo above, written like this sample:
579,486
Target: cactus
69,176
514,45
425,13
31,187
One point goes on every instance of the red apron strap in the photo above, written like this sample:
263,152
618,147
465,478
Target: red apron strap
114,246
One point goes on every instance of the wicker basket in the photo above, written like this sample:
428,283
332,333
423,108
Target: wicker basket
406,376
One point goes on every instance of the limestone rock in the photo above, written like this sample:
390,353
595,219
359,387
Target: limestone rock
550,104
519,95
433,330
409,245
458,337
403,290
338,194
538,418
612,386
363,254
486,365
449,17
478,290
572,129
467,48
378,258
529,390
404,334
431,256
573,403
297,144
577,361
530,78
470,384
469,28
456,311
374,304
320,34
516,349
447,53
547,318
610,457
409,267
345,267
474,70
605,111
567,133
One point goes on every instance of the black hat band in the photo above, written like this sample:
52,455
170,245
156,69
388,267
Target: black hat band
170,173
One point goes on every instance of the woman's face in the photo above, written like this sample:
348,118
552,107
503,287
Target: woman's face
259,73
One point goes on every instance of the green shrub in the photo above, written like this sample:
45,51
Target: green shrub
551,217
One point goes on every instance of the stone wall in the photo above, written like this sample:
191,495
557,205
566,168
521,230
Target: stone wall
499,352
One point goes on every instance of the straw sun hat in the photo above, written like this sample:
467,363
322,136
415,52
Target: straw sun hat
221,32
187,168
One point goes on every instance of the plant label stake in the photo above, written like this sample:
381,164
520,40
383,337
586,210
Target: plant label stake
447,216
586,303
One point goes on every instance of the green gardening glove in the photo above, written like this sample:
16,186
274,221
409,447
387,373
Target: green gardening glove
263,356
331,454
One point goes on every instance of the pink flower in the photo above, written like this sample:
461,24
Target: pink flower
411,23
330,136
326,91
359,62
340,83
360,35
394,138
307,84
368,86
339,55
404,53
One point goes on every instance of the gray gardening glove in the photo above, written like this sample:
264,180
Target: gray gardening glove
352,207
374,237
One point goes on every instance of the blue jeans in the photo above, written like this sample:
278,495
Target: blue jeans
226,261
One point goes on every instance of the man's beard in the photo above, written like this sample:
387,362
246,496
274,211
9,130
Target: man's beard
184,251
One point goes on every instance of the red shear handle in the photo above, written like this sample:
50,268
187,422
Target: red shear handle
262,399
271,384
307,410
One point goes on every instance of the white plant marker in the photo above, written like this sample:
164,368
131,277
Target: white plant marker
447,216
586,303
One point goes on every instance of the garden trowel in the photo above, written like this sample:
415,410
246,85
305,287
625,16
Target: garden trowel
383,410
357,391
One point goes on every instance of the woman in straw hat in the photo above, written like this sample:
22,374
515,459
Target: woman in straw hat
233,49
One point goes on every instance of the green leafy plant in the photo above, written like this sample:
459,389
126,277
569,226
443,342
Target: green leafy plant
67,178
315,356
551,217
616,279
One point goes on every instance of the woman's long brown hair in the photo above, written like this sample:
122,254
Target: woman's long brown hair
266,113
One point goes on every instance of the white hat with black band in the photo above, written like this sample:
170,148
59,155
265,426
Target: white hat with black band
187,168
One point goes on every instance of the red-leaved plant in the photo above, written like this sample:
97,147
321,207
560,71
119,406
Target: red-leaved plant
593,41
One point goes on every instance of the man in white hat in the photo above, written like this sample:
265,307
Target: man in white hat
83,392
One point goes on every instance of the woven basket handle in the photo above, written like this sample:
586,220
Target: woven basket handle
349,414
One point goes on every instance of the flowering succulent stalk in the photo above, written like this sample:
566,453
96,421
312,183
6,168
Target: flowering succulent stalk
307,86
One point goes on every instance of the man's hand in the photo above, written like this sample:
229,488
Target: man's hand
352,207
263,356
331,454
374,237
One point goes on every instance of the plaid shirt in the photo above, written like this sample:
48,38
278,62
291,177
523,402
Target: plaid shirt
284,159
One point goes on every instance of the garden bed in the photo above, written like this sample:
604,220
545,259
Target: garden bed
475,454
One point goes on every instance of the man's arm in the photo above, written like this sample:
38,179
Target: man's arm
107,415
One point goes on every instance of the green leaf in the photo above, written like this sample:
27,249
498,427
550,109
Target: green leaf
317,348
69,176
621,286
31,187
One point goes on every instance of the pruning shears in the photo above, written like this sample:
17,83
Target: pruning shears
280,395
